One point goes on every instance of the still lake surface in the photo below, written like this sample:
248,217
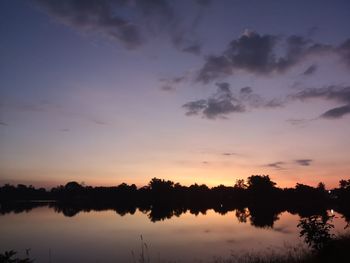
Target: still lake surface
106,236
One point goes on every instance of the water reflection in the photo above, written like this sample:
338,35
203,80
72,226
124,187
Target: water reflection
110,234
257,215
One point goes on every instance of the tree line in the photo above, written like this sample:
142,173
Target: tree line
161,199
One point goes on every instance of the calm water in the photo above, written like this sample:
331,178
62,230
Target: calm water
106,236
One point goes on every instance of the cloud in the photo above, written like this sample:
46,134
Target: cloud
336,113
95,16
339,94
218,105
276,165
304,162
310,70
51,108
194,49
229,154
299,122
3,123
280,165
246,90
169,84
254,100
259,54
344,51
132,23
252,52
215,67
98,122
225,102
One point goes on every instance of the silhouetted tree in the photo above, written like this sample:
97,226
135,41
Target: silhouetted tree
258,199
9,257
344,184
316,230
260,182
321,187
240,184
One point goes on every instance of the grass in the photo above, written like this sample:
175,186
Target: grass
338,251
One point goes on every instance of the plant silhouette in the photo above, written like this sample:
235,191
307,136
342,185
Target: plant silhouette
9,257
316,231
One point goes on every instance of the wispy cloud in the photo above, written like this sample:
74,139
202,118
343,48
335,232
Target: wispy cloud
310,70
145,20
170,84
340,94
304,162
277,165
47,107
281,165
229,154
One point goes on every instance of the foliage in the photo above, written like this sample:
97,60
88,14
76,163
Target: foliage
9,257
260,182
316,231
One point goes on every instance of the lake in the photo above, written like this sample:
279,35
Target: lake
108,236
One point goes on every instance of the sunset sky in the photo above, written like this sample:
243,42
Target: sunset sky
105,92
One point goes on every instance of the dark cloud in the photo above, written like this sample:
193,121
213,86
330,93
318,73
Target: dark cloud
276,165
258,54
252,52
254,100
3,123
336,113
304,162
169,84
225,102
246,90
310,70
215,67
273,103
95,15
130,22
339,94
194,49
195,107
218,105
229,154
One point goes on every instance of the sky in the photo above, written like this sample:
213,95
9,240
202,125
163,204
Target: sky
193,91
